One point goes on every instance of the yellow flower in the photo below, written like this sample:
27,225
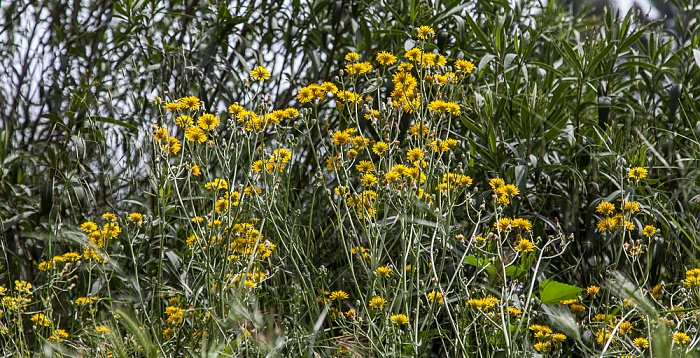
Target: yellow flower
365,166
524,245
195,134
444,107
135,218
260,73
558,337
23,287
208,121
339,295
680,338
638,173
352,57
649,231
605,208
379,148
358,68
342,137
425,32
235,109
692,278
435,296
592,290
84,301
386,59
41,320
173,106
383,271
464,66
502,224
496,183
160,134
631,206
508,190
221,206
514,311
377,302
521,223
88,227
399,319
641,342
190,102
413,54
102,329
217,184
173,146
305,95
369,180
195,170
543,347
414,154
58,335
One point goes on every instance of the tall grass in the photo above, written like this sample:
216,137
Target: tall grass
526,188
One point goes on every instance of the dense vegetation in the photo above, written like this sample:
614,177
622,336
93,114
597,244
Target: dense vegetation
348,178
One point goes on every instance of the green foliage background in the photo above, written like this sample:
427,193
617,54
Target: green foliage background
565,104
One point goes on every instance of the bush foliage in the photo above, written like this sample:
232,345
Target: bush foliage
348,178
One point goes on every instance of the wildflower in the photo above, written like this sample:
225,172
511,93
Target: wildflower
175,315
305,95
379,148
444,107
23,287
524,224
369,180
102,329
195,170
383,271
195,134
342,137
221,206
208,121
603,336
514,311
592,290
692,278
260,73
332,163
399,319
329,87
605,208
190,102
524,245
425,32
625,327
496,183
358,68
543,347
649,231
464,66
414,154
135,218
352,57
502,225
41,320
58,335
359,142
657,289
338,295
365,166
88,227
680,338
637,173
235,109
349,96
641,342
558,337
377,302
386,59
173,106
217,184
540,331
435,296
606,224
84,301
483,304
631,206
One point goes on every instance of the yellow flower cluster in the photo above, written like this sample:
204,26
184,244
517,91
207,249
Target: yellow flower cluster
614,220
483,304
453,181
275,163
67,257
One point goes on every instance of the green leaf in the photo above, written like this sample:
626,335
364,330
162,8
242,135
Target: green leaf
552,292
115,121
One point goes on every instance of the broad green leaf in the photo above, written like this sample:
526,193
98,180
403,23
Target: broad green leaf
552,292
